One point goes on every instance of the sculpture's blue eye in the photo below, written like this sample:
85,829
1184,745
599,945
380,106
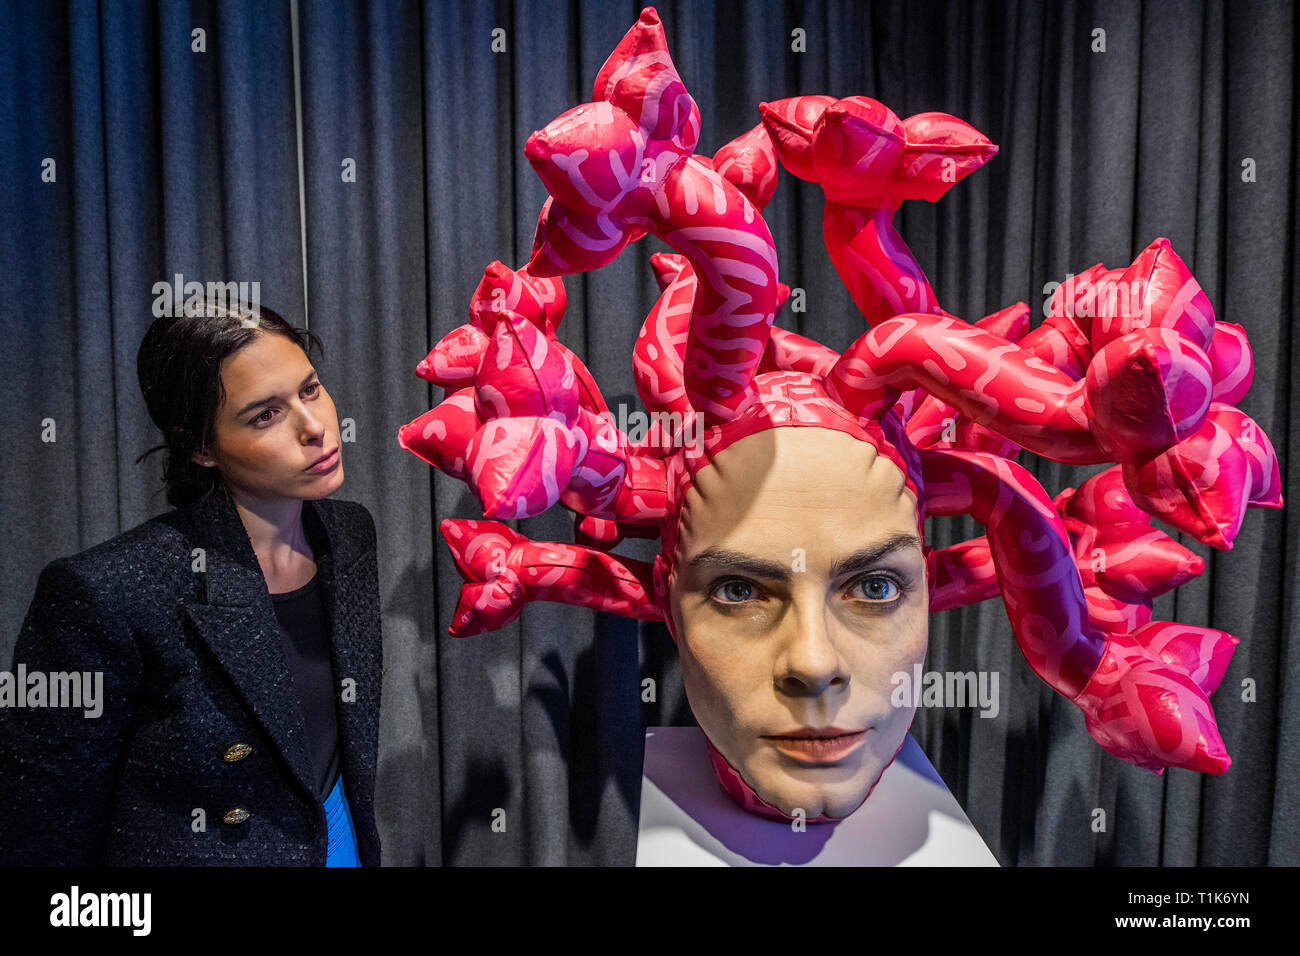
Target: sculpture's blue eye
877,588
734,591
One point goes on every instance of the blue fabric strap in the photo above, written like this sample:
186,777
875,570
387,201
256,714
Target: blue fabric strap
342,834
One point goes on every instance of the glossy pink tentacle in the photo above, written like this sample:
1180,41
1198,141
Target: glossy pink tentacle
733,258
622,165
453,362
868,162
441,435
1151,711
791,352
1143,392
503,571
1143,701
1031,552
1203,484
961,574
875,264
935,423
749,163
659,355
612,481
539,299
1233,362
605,533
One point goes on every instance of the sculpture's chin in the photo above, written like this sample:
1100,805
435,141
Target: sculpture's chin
739,789
747,797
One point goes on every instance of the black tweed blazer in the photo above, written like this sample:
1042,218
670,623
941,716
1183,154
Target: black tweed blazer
192,662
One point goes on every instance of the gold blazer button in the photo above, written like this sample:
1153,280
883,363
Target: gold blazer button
236,816
237,752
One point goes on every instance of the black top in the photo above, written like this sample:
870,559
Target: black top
307,653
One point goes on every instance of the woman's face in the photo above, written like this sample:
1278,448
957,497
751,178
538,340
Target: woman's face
276,422
798,591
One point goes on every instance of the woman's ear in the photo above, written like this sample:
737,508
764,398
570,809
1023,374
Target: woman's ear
201,457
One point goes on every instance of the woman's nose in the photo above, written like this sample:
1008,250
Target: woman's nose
312,426
809,663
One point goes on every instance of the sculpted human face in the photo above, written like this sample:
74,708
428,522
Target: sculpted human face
798,591
277,420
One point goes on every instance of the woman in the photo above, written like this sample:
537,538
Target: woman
238,636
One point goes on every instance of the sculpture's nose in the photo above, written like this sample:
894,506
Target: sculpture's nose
809,664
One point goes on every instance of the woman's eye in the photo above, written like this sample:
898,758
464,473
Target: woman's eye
312,388
262,419
876,588
733,592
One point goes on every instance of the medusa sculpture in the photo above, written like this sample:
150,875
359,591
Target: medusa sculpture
790,486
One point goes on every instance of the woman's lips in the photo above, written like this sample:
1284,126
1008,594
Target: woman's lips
817,745
325,464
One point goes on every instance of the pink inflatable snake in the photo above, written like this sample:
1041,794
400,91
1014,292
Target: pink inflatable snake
1130,367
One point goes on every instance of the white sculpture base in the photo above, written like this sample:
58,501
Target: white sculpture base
911,819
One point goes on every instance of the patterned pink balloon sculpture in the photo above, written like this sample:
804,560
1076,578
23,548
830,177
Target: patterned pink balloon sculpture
1130,367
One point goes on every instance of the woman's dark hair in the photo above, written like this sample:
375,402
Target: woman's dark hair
179,366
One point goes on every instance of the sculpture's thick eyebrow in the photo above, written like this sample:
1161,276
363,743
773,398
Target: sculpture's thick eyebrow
727,561
864,558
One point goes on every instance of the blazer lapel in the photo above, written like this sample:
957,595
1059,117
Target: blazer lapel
338,563
237,622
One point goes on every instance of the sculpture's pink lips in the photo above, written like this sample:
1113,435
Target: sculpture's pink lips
325,463
817,744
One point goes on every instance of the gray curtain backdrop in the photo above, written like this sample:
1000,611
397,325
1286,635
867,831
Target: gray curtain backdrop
169,160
